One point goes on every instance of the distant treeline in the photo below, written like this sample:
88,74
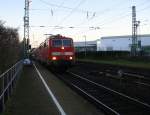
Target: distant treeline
10,47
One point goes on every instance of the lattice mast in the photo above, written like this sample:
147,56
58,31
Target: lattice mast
134,32
26,28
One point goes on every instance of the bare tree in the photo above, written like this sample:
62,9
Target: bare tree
9,46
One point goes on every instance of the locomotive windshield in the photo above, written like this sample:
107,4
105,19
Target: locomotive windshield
57,43
67,42
60,42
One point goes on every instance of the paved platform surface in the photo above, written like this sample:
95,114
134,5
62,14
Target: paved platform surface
31,97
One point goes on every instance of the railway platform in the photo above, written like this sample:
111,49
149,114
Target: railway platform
39,92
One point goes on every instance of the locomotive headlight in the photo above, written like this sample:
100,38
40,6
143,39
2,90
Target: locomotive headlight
70,57
62,48
54,58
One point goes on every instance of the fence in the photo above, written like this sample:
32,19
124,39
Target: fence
7,82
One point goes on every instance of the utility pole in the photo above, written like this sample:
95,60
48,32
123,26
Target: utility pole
26,29
135,24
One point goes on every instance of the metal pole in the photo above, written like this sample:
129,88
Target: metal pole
26,28
135,24
133,48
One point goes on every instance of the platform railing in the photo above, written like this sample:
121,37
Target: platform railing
8,80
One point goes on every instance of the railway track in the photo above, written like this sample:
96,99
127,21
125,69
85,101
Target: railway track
123,85
132,77
128,72
130,82
111,101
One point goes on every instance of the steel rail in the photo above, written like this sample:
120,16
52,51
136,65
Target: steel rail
121,94
98,101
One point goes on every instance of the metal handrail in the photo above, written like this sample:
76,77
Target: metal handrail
7,82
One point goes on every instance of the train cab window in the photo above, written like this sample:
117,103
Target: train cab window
64,42
67,42
57,43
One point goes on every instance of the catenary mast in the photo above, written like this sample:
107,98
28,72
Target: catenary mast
26,29
135,25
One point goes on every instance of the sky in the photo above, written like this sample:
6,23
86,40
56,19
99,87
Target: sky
76,18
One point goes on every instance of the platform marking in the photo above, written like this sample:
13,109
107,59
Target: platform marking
50,92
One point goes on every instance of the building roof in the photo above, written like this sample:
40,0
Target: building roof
88,43
125,36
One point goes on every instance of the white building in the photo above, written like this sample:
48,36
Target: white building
88,46
121,43
113,43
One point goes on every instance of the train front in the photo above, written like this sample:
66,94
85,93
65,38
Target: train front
62,51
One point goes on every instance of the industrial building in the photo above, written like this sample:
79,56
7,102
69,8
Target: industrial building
114,43
85,46
123,43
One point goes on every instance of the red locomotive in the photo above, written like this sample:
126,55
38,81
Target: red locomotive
57,50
